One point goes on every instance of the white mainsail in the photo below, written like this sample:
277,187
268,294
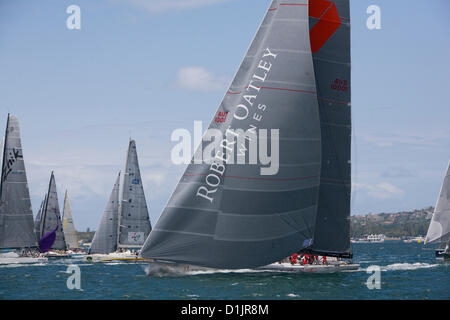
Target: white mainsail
68,226
439,229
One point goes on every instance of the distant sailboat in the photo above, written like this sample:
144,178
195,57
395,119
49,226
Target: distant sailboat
105,238
16,216
439,229
70,233
295,78
134,221
51,229
37,221
124,226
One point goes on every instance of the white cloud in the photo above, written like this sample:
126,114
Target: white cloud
166,5
200,79
382,190
398,172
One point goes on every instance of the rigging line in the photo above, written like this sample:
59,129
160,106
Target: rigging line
292,225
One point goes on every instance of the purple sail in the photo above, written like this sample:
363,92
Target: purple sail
47,241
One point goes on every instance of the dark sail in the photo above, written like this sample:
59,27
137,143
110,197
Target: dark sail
251,219
330,43
16,215
51,220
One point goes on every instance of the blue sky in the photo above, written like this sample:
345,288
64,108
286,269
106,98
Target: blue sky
145,68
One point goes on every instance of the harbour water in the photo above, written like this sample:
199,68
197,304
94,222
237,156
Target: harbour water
408,271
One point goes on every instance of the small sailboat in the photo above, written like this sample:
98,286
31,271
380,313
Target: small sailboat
126,224
295,78
439,228
105,238
52,241
371,238
16,216
69,230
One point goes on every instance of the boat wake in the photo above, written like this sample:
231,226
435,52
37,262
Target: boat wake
406,266
10,264
166,270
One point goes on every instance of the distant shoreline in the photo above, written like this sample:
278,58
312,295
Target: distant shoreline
395,226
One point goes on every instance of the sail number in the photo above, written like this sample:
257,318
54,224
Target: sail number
246,309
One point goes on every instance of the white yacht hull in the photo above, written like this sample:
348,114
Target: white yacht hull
115,257
326,268
162,268
55,254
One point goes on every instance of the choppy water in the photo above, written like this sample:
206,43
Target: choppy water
407,272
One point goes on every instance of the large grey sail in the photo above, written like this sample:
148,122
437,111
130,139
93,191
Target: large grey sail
134,222
252,219
105,238
330,44
70,233
16,215
51,217
439,229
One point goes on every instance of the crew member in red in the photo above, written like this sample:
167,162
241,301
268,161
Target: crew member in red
294,258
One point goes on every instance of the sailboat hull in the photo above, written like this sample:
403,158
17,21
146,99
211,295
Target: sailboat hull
56,254
116,257
331,268
163,268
